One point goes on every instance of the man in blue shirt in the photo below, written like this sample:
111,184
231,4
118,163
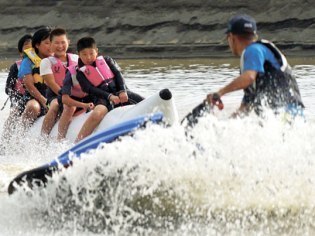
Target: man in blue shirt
266,77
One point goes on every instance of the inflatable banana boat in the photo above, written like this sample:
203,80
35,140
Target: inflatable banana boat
159,102
121,121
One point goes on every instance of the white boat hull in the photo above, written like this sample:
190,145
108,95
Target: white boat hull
159,102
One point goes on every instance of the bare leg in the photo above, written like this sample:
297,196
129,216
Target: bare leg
10,123
31,112
64,121
50,118
92,122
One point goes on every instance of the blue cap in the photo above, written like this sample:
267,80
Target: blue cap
242,24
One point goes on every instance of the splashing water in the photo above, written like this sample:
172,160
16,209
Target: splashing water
241,176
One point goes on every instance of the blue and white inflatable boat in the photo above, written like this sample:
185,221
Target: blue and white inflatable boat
159,102
118,122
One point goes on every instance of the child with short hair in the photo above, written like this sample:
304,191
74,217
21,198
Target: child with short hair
100,77
15,89
34,83
14,85
53,70
74,101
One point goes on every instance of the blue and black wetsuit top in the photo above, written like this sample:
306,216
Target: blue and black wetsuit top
275,86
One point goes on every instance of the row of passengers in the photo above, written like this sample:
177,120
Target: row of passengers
264,71
95,90
99,77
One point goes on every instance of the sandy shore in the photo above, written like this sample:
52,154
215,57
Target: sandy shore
161,29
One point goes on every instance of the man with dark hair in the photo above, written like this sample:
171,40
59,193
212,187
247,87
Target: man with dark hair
266,77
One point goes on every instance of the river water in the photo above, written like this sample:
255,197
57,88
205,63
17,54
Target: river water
244,176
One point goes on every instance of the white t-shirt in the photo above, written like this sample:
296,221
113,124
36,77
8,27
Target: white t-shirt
45,65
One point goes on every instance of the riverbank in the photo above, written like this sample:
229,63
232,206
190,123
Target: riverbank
220,50
160,29
180,51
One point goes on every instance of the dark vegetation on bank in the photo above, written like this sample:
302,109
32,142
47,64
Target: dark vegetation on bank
163,28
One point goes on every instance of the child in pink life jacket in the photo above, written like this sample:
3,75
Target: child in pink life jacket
14,85
15,90
100,77
53,70
73,99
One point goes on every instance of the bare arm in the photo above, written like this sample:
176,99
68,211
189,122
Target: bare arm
241,82
29,84
50,81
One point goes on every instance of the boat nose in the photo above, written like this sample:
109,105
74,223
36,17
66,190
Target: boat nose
165,94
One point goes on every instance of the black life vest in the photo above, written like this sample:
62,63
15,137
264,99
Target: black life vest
275,88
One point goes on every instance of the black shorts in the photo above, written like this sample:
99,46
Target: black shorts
18,101
50,99
105,102
134,98
86,99
59,100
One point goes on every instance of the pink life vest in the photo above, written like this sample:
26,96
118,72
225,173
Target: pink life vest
99,74
19,82
59,69
76,89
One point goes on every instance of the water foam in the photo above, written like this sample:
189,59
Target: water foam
242,175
